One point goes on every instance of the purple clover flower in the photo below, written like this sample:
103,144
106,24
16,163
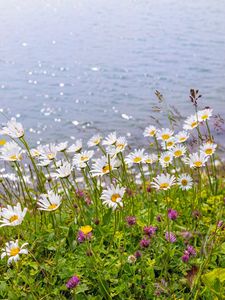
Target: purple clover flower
131,220
72,282
172,214
170,237
144,243
191,250
81,237
150,230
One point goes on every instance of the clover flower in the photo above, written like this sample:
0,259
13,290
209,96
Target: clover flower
73,282
170,237
172,214
84,233
150,230
144,243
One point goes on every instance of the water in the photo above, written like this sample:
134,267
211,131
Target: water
69,69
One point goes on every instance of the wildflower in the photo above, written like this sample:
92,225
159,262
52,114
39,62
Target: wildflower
135,157
150,158
150,131
163,182
13,129
75,147
172,214
112,197
185,258
137,254
166,159
208,148
72,282
12,215
102,167
80,159
84,233
63,171
131,259
12,249
191,250
131,220
144,243
11,152
178,151
164,134
110,139
150,230
196,214
170,143
44,163
204,114
196,160
49,152
182,136
49,201
170,237
61,147
36,152
118,147
185,182
186,234
94,141
191,122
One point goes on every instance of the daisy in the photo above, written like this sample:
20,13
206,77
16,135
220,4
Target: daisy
36,152
101,166
62,146
196,160
120,145
110,139
164,134
75,147
11,152
49,201
170,143
63,171
178,151
80,159
94,141
204,114
150,131
191,122
208,148
44,163
49,152
112,197
163,182
12,215
136,157
151,158
166,159
182,136
185,182
13,129
12,249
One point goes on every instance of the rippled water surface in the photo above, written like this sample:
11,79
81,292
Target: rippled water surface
71,68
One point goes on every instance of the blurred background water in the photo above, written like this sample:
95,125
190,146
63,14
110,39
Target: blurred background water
71,68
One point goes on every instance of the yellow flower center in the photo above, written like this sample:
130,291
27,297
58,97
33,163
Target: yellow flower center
204,117
13,218
50,156
178,153
167,158
13,157
148,161
120,146
2,142
184,182
52,206
165,136
198,164
114,197
137,159
96,142
152,132
209,151
83,158
106,169
182,139
14,251
164,185
194,124
170,144
86,229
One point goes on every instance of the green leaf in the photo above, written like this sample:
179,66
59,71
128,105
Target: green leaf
210,277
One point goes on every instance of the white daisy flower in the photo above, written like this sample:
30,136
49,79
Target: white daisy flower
75,147
170,143
12,249
118,147
185,182
164,134
12,215
44,163
178,150
163,182
182,136
204,114
208,148
80,159
151,158
191,122
196,160
112,197
63,171
11,152
49,201
136,157
150,131
102,167
110,139
62,146
36,152
13,129
94,141
49,152
166,158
